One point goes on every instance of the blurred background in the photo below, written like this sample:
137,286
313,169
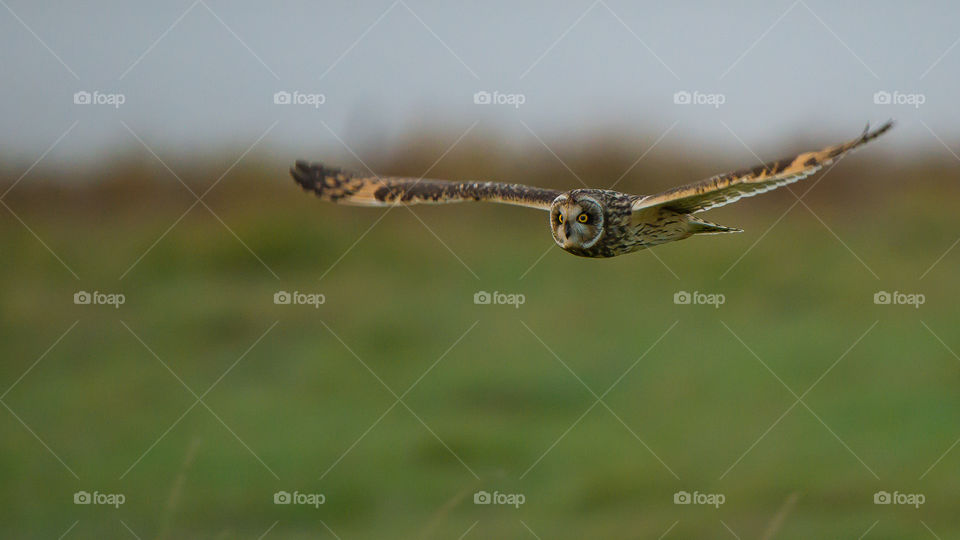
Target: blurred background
155,384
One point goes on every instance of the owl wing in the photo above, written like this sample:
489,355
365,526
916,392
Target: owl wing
727,188
343,187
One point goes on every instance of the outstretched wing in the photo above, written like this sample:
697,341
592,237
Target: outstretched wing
727,188
343,187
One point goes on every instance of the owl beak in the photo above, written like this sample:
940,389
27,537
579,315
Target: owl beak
567,241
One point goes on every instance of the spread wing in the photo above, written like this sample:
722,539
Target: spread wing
343,187
727,188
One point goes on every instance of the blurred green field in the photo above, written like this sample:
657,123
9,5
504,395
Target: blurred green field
500,398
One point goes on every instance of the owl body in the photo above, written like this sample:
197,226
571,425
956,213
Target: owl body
594,223
608,226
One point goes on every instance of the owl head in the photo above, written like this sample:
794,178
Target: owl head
576,220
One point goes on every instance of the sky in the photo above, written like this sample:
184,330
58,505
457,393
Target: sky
190,77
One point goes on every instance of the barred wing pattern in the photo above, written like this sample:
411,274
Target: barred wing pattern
727,188
343,187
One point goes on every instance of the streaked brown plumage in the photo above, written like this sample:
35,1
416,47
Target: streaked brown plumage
586,222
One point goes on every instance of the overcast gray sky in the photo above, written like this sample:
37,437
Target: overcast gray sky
199,76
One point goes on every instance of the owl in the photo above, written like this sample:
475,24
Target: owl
586,222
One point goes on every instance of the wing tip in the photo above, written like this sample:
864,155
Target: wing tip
314,176
868,135
305,174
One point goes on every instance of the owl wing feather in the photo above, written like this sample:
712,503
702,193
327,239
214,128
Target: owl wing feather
344,187
727,188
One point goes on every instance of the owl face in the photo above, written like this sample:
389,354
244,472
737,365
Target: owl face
576,221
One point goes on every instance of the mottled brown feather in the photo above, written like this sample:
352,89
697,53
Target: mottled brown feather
727,188
343,187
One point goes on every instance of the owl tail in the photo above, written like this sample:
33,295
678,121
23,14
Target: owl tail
702,226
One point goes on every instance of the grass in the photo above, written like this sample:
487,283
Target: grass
493,398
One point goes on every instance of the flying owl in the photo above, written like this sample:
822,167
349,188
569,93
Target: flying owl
586,222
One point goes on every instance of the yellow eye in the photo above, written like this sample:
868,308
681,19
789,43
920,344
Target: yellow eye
582,218
559,218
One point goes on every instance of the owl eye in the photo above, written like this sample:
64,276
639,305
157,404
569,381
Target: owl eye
559,218
582,218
